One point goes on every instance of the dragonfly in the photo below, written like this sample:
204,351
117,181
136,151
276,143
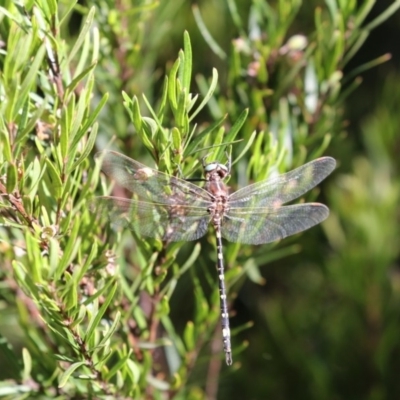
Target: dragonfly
174,209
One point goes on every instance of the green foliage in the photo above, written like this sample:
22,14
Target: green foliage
88,312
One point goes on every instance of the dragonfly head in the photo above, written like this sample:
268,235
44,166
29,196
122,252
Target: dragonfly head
213,168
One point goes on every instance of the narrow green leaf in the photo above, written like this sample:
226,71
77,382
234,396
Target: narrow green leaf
24,118
36,261
389,11
84,53
163,102
176,339
248,145
209,94
181,114
69,7
253,272
202,136
36,173
90,120
363,12
206,34
79,78
77,113
87,149
111,329
134,109
55,186
65,127
93,324
24,279
159,384
366,66
332,6
64,377
158,125
81,38
71,295
236,17
361,38
133,370
27,364
201,306
188,336
117,366
172,81
171,285
237,125
70,250
176,140
26,129
5,140
28,82
187,65
163,307
11,177
233,132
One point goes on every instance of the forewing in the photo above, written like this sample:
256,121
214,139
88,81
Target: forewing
268,224
279,190
150,185
171,223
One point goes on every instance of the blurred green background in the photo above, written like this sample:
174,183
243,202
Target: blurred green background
326,321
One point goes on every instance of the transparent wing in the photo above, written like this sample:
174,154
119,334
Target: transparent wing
279,190
161,205
171,223
268,224
150,185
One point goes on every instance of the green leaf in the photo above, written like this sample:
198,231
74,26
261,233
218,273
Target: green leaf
28,82
188,336
90,121
11,177
79,78
163,307
209,94
120,365
27,364
111,329
238,124
71,295
248,145
172,82
388,12
94,322
70,251
87,149
163,101
192,146
24,279
206,34
187,64
70,6
55,184
5,141
82,35
66,117
65,376
134,109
